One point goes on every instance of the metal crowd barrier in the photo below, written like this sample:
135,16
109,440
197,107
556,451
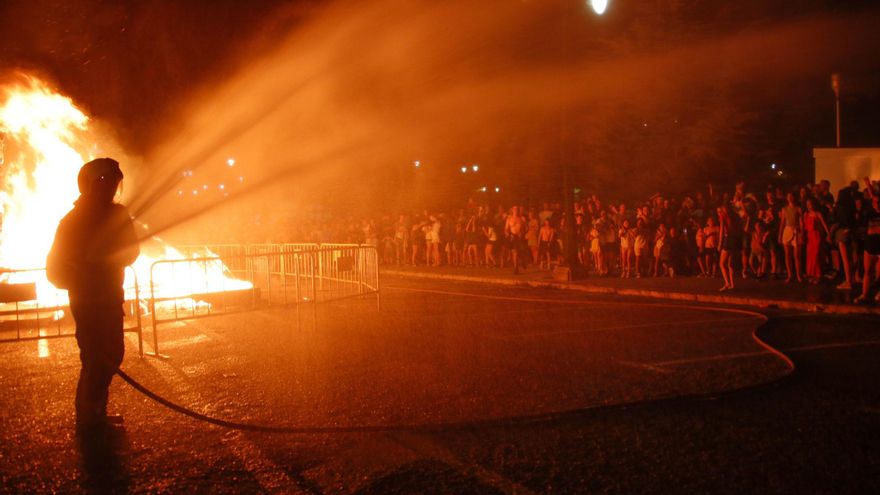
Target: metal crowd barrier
25,316
277,274
212,280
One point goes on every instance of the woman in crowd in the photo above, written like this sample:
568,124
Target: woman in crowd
789,236
491,242
727,245
815,230
471,240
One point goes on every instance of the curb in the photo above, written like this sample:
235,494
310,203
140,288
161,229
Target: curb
835,309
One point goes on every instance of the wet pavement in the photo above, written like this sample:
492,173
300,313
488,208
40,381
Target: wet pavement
466,388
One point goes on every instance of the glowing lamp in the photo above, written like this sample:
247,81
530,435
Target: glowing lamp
599,6
463,169
230,162
475,168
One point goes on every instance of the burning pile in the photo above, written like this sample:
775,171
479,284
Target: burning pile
44,139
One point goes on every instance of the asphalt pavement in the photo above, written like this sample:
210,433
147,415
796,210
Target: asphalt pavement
467,388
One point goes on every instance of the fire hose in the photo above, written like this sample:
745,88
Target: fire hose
464,425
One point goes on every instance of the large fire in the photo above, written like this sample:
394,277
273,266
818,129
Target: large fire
44,139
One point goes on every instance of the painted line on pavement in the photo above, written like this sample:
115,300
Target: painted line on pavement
622,327
740,355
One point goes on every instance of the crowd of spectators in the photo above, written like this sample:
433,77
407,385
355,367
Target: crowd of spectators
801,235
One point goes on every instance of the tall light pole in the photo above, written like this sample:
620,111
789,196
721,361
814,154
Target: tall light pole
835,85
574,268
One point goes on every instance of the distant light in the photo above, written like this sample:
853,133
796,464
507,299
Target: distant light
599,6
417,164
195,192
240,178
497,189
463,170
773,166
205,187
187,173
644,124
483,189
180,192
222,187
230,162
475,168
779,173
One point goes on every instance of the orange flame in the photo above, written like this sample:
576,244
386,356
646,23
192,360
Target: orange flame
45,139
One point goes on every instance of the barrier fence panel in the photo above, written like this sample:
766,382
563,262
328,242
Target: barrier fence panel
32,309
210,280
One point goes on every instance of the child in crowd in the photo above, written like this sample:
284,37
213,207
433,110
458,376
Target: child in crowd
627,240
546,244
710,235
759,244
640,245
596,249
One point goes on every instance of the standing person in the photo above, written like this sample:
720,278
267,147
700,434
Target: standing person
532,236
659,248
700,243
758,251
813,220
458,243
515,231
401,240
546,244
94,243
596,249
726,246
626,248
710,235
872,244
491,242
789,232
640,244
772,226
471,241
844,221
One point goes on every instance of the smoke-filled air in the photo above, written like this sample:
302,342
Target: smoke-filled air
341,108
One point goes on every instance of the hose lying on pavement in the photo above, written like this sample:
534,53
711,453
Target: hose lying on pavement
463,425
466,425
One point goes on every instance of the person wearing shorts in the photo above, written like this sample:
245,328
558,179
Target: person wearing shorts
789,233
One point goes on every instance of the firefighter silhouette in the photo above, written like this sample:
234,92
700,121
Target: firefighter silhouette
94,243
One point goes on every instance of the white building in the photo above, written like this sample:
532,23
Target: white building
843,165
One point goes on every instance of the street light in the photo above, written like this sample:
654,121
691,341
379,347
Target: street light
599,6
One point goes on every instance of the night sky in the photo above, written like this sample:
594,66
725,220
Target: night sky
133,64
